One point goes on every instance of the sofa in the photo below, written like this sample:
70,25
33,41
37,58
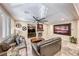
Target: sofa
47,47
5,45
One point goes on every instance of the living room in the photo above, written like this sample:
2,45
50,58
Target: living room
60,23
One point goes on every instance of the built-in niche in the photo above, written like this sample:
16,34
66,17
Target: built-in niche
31,30
40,34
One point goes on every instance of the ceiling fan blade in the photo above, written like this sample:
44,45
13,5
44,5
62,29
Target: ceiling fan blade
43,21
46,23
34,17
42,18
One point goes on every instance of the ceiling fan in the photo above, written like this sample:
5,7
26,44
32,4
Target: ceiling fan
39,20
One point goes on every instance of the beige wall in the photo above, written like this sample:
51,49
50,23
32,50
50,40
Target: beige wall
48,30
73,31
78,30
12,26
19,30
0,26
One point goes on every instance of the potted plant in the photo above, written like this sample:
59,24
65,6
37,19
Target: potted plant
73,39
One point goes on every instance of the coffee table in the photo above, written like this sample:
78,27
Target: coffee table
36,40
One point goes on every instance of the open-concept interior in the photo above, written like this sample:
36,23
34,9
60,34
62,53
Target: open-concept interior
39,29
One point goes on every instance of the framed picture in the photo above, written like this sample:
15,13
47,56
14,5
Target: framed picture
39,27
63,29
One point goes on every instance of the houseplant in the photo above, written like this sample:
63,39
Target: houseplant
73,39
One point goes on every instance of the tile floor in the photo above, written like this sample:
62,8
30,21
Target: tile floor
68,49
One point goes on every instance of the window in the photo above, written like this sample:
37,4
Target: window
0,25
5,25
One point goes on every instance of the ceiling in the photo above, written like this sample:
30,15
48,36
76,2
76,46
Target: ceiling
55,12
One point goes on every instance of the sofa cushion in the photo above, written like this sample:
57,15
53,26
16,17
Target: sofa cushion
17,40
4,46
9,39
48,41
1,49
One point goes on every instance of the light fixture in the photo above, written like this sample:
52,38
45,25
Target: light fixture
62,18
